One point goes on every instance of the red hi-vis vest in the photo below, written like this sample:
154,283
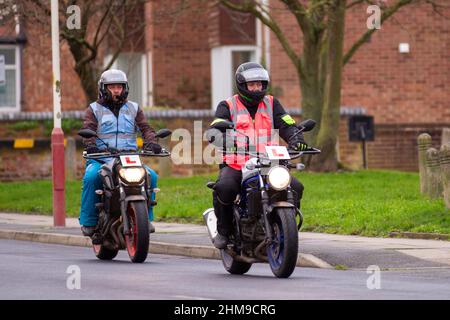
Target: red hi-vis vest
259,130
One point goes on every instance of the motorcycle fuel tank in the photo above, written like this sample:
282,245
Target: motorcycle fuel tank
249,170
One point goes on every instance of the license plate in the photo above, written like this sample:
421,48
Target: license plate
277,152
130,161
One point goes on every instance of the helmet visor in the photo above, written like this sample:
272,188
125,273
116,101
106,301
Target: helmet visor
255,74
114,82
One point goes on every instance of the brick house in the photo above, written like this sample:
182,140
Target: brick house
187,60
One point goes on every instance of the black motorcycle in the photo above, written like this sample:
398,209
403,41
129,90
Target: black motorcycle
265,227
125,199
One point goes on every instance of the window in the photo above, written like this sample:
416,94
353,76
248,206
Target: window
9,78
225,60
134,65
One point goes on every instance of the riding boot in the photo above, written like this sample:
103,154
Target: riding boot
224,214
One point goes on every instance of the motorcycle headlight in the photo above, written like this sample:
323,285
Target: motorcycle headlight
132,175
279,178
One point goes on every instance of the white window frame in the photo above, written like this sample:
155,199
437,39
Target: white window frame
17,68
146,96
222,76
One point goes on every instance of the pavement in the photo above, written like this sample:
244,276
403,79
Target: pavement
316,250
40,271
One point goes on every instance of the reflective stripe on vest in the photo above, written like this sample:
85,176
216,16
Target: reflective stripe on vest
118,132
259,130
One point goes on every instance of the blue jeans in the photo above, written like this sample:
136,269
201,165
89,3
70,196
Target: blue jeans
92,182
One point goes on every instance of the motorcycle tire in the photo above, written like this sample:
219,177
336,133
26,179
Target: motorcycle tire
283,252
233,266
138,240
104,253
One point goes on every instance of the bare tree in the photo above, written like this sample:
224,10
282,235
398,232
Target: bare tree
105,28
319,66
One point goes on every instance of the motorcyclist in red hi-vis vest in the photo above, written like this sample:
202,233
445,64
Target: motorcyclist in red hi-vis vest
260,117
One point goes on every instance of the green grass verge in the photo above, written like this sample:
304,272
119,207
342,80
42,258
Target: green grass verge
371,203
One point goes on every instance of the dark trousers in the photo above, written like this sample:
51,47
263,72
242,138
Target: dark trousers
227,188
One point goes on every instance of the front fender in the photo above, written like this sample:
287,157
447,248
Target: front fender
134,198
280,204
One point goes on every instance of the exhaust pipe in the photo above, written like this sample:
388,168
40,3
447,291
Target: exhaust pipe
210,219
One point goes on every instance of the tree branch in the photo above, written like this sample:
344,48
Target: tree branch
266,18
119,48
102,20
354,3
436,7
299,12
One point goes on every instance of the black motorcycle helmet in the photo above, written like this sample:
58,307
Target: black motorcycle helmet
247,72
113,76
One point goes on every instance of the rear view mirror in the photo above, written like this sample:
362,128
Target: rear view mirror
87,133
163,133
223,125
307,125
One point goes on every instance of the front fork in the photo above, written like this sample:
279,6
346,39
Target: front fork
267,210
124,203
123,212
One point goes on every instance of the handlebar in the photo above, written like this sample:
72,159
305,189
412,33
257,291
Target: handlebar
309,151
143,153
294,154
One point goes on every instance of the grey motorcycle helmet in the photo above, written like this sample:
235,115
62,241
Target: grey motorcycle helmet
248,72
112,76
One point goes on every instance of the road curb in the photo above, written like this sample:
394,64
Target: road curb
311,261
194,251
420,235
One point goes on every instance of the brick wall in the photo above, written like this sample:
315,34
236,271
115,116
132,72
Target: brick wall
393,87
395,146
404,92
402,88
20,164
36,163
37,92
37,67
181,55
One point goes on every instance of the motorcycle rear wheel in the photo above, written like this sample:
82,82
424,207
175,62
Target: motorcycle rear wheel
233,266
283,253
104,253
138,240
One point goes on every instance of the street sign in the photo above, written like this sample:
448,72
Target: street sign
361,128
2,71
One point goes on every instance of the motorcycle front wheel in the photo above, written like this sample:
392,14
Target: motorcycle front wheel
283,251
138,239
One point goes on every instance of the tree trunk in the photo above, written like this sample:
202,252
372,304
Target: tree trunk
85,70
88,81
310,86
329,124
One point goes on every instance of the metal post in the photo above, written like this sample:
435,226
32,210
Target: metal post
364,154
71,159
59,202
363,137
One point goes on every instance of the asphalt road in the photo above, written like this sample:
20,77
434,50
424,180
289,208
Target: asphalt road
40,271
